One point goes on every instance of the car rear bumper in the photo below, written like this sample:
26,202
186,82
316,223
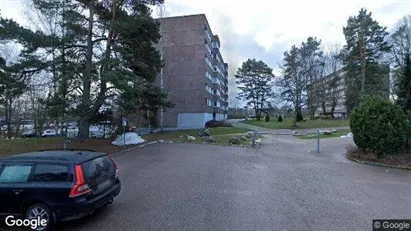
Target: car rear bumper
83,207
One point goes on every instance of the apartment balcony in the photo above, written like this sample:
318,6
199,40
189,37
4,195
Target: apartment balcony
207,60
216,81
207,47
207,74
208,35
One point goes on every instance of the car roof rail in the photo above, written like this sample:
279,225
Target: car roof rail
68,149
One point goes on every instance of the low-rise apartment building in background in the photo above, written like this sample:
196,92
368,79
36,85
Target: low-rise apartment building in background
194,75
332,89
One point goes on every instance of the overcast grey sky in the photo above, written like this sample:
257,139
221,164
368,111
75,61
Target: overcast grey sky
266,28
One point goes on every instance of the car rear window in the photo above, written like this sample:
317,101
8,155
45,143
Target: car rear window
97,168
52,173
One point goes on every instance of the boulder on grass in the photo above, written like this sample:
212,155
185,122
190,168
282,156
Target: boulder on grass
243,138
190,138
249,135
327,132
209,139
334,130
234,140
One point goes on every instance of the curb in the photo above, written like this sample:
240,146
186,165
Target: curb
141,146
179,142
377,164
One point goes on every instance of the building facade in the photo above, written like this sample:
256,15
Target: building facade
332,89
194,75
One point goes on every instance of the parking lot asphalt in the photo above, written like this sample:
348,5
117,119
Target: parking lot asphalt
284,185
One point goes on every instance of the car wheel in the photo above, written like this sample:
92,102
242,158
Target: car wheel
41,212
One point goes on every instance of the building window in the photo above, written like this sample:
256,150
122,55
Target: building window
214,116
215,92
206,101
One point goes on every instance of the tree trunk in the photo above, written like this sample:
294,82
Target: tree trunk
363,60
256,113
17,125
299,115
333,109
8,116
323,108
84,127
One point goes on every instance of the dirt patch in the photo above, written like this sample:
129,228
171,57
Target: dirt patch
17,146
403,160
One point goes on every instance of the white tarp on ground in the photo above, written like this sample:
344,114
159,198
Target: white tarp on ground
347,136
128,138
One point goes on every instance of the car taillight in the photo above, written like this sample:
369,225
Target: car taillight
80,187
115,165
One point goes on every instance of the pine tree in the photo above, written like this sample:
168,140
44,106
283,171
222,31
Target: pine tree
311,62
364,51
292,83
15,72
255,81
404,86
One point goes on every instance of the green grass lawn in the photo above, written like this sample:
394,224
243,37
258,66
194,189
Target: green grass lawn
287,123
16,146
221,135
338,133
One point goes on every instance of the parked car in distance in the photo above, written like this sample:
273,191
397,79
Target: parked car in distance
29,134
57,185
49,133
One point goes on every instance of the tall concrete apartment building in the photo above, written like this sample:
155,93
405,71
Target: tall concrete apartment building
194,75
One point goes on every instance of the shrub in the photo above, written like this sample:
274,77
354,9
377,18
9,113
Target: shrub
408,143
280,118
216,123
267,118
378,126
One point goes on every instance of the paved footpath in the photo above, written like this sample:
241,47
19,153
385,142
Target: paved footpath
237,123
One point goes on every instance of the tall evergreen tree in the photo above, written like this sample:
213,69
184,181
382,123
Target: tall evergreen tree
255,81
364,53
404,86
311,63
101,49
15,72
292,84
400,39
301,67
